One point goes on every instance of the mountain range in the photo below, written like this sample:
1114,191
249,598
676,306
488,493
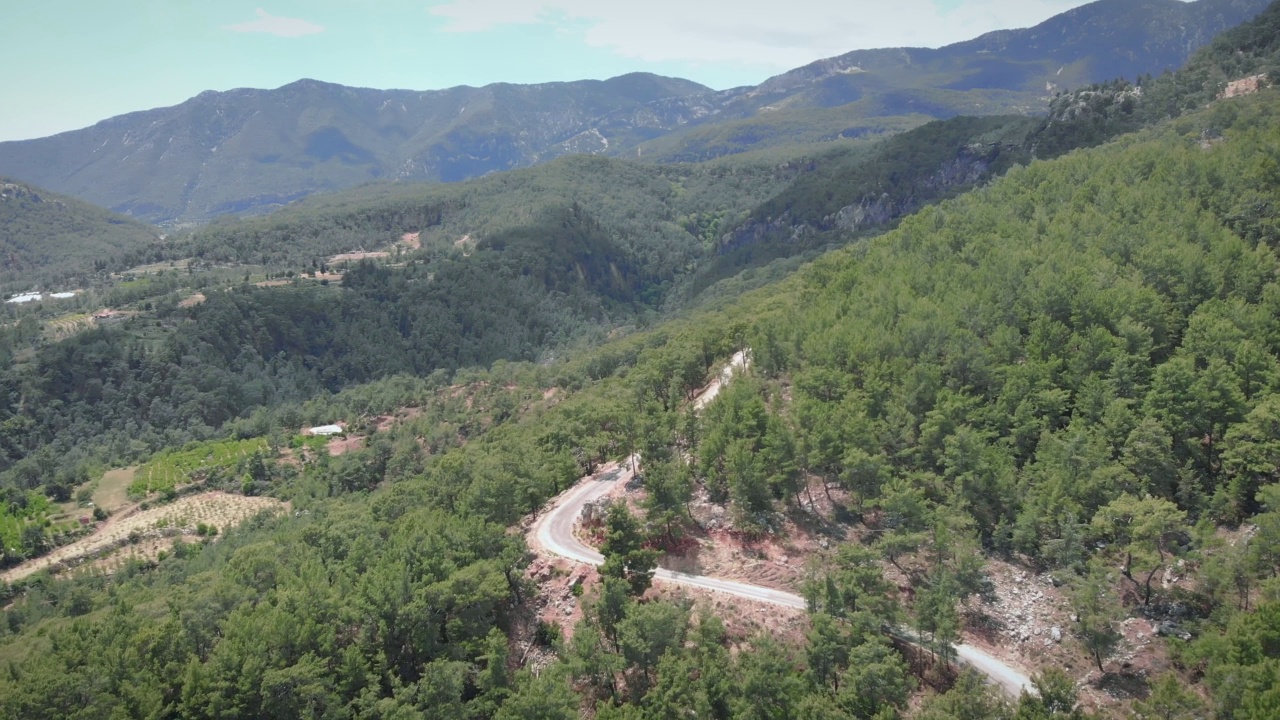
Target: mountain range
248,151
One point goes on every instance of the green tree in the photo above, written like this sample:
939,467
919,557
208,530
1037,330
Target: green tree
1055,698
546,696
669,490
970,698
1170,699
876,680
1098,614
625,555
1251,456
648,632
770,686
827,650
1143,529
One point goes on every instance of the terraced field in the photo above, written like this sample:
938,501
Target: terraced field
174,468
64,326
184,517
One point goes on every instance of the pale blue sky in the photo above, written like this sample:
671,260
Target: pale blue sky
70,63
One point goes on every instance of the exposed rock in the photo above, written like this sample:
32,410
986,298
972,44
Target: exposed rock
1245,86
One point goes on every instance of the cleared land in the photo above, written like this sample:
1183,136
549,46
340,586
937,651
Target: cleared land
217,509
112,492
157,267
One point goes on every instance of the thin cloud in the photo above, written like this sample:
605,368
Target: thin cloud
278,26
763,33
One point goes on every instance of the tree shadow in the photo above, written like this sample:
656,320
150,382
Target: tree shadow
983,625
688,559
1124,685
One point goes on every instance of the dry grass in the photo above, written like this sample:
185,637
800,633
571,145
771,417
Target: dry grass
112,492
217,509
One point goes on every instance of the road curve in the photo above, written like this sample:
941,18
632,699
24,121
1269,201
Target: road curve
553,533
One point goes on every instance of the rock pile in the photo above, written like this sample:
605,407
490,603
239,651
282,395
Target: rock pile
1027,607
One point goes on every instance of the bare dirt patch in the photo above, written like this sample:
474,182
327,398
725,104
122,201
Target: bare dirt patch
278,282
557,603
192,300
776,560
217,509
412,240
341,445
385,422
109,316
743,619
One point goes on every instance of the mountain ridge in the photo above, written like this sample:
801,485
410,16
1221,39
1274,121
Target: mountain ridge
247,151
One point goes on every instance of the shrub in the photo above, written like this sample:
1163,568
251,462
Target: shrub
547,635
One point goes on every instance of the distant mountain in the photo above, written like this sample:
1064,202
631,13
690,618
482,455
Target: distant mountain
248,151
1094,42
1007,71
45,236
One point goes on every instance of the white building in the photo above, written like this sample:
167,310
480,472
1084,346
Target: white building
326,430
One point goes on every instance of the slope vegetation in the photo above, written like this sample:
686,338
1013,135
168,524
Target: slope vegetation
1070,367
44,235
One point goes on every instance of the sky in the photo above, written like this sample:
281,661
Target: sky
67,64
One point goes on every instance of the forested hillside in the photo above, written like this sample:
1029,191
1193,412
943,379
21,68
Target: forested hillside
1070,372
1074,368
1097,113
46,237
662,216
871,189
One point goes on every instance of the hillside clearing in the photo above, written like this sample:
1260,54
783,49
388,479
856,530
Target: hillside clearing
113,489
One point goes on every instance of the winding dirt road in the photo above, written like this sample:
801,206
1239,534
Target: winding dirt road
553,533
